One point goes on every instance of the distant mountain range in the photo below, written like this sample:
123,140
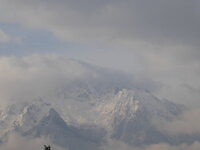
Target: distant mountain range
84,116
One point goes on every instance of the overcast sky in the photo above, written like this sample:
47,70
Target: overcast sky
158,40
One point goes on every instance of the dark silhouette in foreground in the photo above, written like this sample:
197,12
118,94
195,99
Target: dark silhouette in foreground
47,147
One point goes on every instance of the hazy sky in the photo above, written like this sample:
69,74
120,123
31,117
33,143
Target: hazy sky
154,39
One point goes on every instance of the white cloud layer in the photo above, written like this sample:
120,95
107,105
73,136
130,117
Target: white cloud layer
164,35
117,145
17,142
34,76
25,78
187,123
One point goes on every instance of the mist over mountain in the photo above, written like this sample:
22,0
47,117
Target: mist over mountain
99,74
78,106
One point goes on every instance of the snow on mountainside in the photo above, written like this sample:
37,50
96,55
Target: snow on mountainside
88,106
126,115
126,103
131,118
23,115
55,128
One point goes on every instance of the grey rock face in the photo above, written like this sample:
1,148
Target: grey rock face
125,115
136,126
54,127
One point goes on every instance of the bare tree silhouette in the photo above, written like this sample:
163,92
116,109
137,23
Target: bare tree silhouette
47,147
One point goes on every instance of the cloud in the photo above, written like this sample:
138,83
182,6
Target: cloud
24,78
194,146
154,20
5,38
30,77
164,35
188,123
41,75
17,142
117,145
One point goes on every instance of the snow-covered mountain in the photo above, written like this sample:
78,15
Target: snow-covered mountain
52,126
123,114
39,119
127,103
22,116
87,108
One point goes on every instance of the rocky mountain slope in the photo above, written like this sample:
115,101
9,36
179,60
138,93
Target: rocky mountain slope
123,114
90,106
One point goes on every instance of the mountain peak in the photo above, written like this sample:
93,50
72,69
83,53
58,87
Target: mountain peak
126,115
52,118
23,115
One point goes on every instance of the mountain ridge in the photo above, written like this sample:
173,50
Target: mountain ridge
125,115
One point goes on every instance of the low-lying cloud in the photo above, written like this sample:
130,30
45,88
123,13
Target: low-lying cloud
187,123
30,77
17,142
117,145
